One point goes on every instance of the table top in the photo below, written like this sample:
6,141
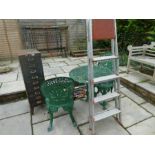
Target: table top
80,74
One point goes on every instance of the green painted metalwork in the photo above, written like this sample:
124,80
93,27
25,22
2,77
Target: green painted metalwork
80,75
107,63
106,87
58,92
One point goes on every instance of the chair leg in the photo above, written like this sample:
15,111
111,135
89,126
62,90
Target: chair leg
104,105
72,118
51,122
128,66
141,67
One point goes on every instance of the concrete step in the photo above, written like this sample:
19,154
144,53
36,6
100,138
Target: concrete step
139,85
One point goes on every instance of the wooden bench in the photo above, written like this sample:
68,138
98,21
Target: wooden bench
144,55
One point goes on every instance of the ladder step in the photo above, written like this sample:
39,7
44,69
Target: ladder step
104,58
106,97
105,78
106,114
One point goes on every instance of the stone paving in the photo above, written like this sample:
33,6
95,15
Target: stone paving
13,81
140,84
53,67
140,80
138,116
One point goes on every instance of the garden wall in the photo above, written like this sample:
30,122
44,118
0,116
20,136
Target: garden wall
10,39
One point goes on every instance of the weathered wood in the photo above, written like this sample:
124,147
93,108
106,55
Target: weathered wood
144,55
10,39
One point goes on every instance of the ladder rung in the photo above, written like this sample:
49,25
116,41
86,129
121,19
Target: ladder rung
106,78
106,114
104,58
106,97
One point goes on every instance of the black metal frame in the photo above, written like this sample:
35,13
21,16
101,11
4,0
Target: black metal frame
45,38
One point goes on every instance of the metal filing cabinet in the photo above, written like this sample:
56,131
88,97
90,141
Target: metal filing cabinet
32,70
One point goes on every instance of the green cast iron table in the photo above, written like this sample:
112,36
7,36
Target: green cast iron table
80,76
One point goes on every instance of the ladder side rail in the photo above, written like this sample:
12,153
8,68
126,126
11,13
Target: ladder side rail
118,80
90,74
113,53
114,67
116,46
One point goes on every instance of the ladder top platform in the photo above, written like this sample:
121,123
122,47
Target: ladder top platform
103,29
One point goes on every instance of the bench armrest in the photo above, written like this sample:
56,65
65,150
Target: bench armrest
137,50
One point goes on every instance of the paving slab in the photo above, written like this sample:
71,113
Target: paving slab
84,59
61,126
19,70
132,95
6,62
17,125
50,77
146,127
20,76
81,111
51,71
74,62
57,70
14,108
150,86
12,87
107,126
47,70
47,60
64,75
57,64
41,114
121,86
122,95
76,58
67,69
8,77
134,77
122,74
83,64
14,64
59,59
149,107
122,68
46,65
132,113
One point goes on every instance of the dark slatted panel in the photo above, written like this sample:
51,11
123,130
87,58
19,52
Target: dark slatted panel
32,70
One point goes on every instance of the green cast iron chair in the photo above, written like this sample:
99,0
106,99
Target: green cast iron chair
58,92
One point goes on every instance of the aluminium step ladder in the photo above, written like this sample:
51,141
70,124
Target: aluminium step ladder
116,111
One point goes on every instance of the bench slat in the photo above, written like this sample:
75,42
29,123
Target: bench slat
147,61
140,53
148,50
136,50
149,54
